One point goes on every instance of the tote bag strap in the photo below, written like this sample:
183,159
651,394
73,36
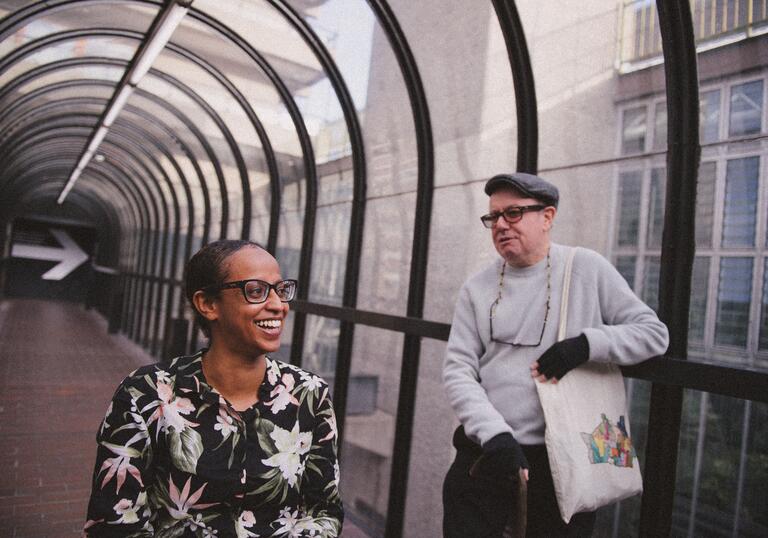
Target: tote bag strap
566,290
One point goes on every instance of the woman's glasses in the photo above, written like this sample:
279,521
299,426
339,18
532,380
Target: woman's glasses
256,291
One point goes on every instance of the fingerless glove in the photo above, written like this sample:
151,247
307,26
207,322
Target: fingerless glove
564,356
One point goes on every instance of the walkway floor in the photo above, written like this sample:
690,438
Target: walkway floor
58,370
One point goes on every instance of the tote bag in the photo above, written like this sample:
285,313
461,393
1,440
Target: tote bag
587,434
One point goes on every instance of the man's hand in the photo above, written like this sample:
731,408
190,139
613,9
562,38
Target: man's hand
561,358
502,457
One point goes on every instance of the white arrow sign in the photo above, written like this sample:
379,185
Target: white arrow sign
71,256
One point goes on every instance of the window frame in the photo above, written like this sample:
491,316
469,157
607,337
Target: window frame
720,152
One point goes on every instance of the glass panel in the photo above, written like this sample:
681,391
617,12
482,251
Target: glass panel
626,266
763,344
709,116
134,17
733,299
650,294
320,345
656,207
721,474
720,487
369,430
705,204
456,225
699,291
330,256
633,130
386,257
431,450
740,204
746,108
630,186
660,125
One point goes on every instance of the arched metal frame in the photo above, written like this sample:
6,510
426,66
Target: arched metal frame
153,261
308,160
92,204
669,374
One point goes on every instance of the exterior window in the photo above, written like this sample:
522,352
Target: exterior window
697,313
733,299
651,281
660,126
746,108
763,344
740,209
633,130
709,116
626,267
728,314
705,204
629,223
656,207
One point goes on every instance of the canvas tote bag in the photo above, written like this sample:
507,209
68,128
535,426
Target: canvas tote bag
587,434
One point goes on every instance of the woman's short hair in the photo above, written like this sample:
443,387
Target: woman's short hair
208,268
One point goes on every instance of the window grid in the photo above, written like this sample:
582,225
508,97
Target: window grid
718,155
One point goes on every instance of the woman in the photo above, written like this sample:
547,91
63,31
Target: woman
226,442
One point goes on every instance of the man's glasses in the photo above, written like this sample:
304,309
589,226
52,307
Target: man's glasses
511,214
256,291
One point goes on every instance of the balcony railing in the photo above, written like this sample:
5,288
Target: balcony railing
716,23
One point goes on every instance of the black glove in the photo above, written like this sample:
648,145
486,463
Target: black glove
564,356
502,457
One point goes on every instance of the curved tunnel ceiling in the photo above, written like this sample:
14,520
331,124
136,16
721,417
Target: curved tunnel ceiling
229,133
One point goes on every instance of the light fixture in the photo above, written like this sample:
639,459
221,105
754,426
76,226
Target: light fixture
152,49
165,24
117,105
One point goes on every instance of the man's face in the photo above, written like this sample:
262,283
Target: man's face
526,241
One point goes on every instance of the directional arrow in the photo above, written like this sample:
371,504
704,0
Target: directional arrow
71,256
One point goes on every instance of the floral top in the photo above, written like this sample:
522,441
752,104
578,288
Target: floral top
175,459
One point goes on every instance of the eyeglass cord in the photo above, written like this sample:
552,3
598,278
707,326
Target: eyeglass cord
549,294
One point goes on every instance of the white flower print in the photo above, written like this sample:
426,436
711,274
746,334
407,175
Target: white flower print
291,445
295,525
273,370
128,511
245,522
282,394
163,377
172,408
225,424
312,383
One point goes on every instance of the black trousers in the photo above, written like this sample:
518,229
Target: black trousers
480,507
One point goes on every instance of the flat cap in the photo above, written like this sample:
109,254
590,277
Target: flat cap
527,184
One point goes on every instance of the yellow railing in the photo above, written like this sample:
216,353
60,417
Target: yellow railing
715,22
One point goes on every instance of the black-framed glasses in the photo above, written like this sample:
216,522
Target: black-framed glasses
492,313
256,291
511,214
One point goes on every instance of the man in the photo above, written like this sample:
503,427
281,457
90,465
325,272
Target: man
503,341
